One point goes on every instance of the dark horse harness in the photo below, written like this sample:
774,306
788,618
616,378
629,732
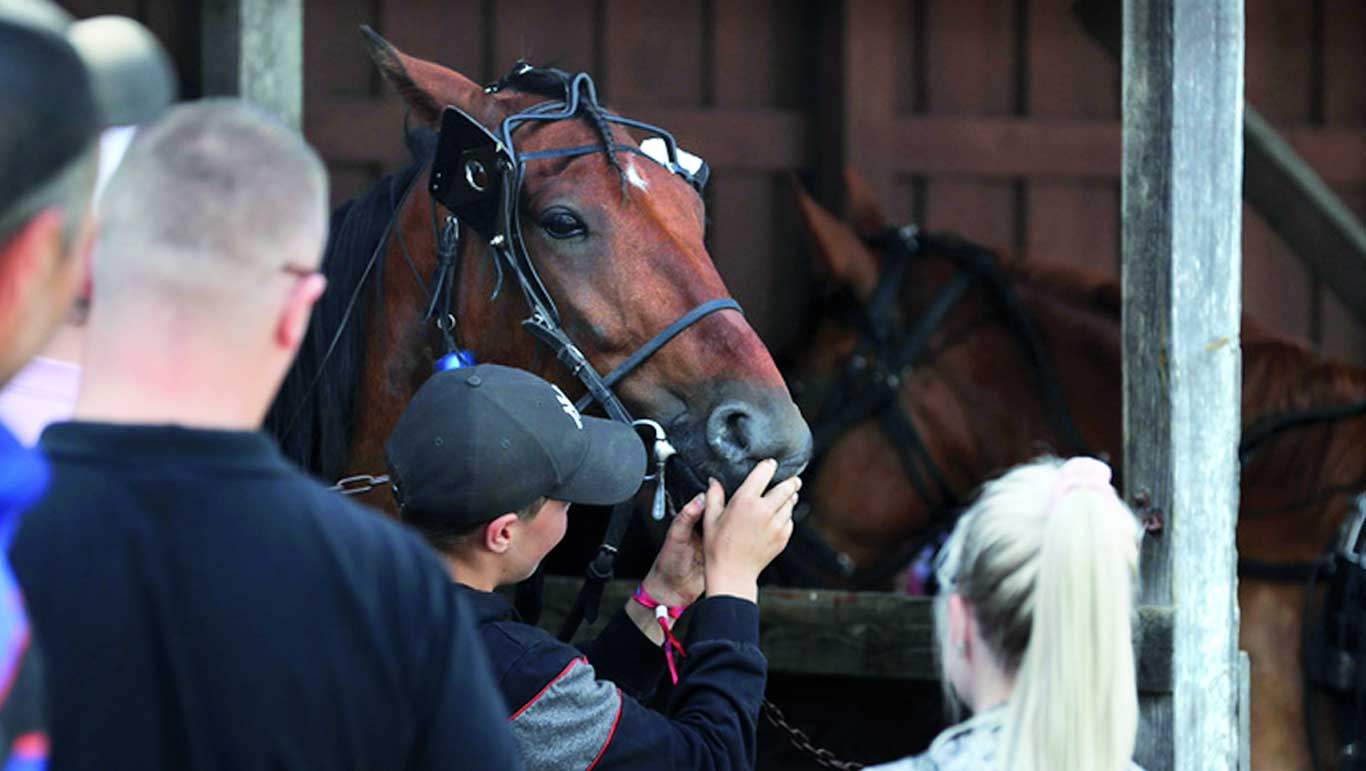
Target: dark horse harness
1333,643
869,385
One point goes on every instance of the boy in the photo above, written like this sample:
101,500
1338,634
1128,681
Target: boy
485,463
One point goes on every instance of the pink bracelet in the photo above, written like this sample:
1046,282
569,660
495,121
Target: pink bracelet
663,613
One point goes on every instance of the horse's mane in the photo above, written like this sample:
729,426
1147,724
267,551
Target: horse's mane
312,414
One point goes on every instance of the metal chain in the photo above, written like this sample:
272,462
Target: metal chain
798,738
360,483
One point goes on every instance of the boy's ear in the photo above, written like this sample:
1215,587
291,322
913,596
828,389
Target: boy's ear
500,532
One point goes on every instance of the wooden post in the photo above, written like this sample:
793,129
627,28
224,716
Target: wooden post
1182,180
255,49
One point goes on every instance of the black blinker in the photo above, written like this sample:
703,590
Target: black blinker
470,172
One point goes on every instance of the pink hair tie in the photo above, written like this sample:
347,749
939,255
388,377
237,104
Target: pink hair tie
1078,473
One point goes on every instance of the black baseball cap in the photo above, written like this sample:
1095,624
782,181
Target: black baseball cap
478,442
62,82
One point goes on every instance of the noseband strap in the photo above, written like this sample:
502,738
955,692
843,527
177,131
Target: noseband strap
660,339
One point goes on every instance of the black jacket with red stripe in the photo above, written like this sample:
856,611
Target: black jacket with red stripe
582,708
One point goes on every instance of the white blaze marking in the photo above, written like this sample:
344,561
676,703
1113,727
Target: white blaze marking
633,176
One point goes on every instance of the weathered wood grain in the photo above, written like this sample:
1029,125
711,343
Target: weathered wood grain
859,634
254,49
1181,185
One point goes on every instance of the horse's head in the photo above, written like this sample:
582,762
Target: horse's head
617,241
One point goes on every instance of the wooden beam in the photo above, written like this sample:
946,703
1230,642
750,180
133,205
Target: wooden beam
345,128
858,634
1181,244
1287,192
1300,207
254,49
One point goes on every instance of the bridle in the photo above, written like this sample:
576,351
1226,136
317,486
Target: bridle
869,384
477,176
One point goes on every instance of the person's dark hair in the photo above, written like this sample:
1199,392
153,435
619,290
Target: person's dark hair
445,536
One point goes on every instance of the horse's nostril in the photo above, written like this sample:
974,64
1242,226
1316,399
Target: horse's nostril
735,432
737,423
741,432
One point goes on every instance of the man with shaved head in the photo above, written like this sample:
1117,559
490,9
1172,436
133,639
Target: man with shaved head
202,603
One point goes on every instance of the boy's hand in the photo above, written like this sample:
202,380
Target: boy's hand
742,537
677,577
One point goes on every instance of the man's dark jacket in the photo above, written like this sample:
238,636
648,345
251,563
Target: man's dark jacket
202,604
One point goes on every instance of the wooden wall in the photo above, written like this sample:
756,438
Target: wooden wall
996,118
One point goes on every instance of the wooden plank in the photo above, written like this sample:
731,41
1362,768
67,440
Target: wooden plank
1072,147
1071,222
743,250
653,53
358,129
971,57
1074,223
980,209
972,63
1305,212
858,634
335,61
1343,105
254,49
1069,74
1182,107
1007,146
1276,290
1280,49
1344,59
452,33
557,33
873,31
731,138
760,57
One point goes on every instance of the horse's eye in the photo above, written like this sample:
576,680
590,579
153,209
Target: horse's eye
562,223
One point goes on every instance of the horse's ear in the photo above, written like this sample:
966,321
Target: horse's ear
837,247
864,212
428,87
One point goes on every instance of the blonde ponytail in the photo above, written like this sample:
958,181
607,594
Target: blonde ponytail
1046,558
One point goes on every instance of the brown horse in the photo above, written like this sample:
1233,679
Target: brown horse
973,399
616,239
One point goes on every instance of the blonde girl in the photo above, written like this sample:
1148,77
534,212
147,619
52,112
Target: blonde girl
1034,622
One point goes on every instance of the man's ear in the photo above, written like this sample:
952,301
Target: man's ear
28,253
293,320
501,532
